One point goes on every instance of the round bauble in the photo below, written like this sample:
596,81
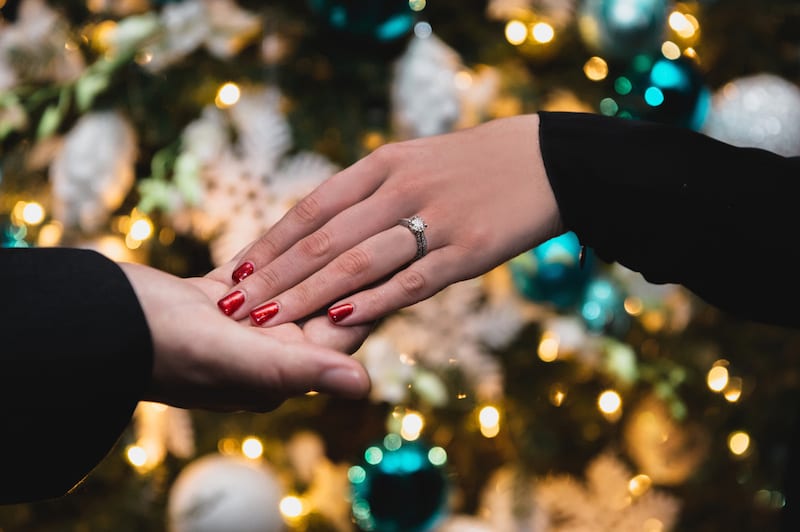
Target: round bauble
552,272
761,111
218,492
620,29
400,486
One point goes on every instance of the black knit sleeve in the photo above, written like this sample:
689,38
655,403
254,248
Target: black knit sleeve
75,356
680,207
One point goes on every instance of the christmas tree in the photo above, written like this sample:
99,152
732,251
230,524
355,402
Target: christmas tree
554,393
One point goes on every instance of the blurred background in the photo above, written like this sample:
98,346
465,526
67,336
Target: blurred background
540,397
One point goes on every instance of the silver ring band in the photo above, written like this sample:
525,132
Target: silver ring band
417,226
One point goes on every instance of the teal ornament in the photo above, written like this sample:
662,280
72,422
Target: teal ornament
400,486
384,20
620,29
603,308
552,272
661,90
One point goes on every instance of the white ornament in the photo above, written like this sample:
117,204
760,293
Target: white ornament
219,25
93,172
605,502
37,40
507,503
760,111
233,494
425,99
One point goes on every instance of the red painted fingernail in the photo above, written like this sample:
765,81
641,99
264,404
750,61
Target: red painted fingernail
340,312
245,270
231,302
261,314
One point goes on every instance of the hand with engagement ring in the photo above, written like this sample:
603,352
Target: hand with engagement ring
398,226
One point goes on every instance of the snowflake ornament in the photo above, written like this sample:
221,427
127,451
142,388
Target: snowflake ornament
221,26
93,172
609,500
455,329
32,49
231,191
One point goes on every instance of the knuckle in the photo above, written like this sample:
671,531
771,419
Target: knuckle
317,244
305,295
268,278
412,283
355,261
307,210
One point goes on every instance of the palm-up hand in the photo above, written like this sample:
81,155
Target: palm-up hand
204,360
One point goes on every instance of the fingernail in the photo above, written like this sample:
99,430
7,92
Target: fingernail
261,314
231,302
340,312
342,381
245,270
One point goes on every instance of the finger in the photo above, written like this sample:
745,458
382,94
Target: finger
373,260
333,196
422,279
313,253
321,331
263,371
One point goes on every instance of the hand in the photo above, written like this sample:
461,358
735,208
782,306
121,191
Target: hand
483,192
204,360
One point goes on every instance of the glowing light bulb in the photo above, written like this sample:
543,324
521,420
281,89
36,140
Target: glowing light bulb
609,402
717,377
596,68
638,485
228,95
141,229
417,5
670,50
516,32
733,391
252,448
548,347
682,25
291,507
489,420
542,32
136,455
738,442
411,426
33,213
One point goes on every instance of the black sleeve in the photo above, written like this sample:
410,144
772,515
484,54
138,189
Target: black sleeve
680,207
75,356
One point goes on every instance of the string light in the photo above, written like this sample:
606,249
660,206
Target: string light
33,213
292,507
739,442
683,25
670,50
542,32
557,394
252,448
50,234
516,32
733,391
136,455
417,5
610,404
228,95
489,421
596,68
638,485
717,377
412,425
548,347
